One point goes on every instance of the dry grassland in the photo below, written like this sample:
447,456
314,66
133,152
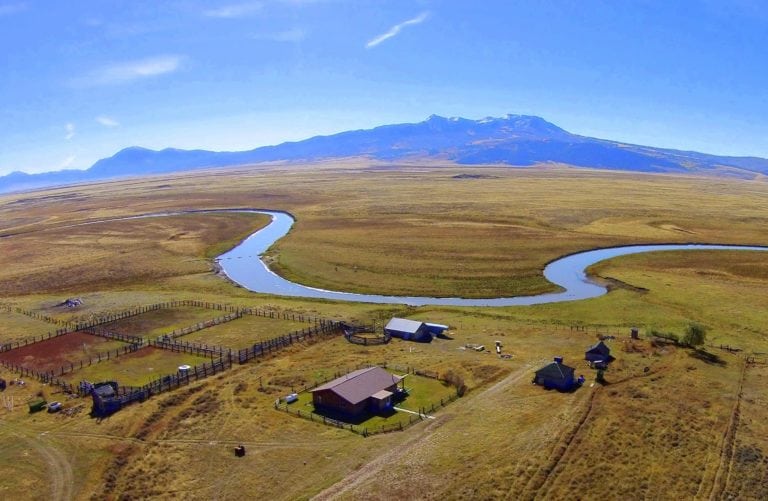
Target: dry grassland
690,427
244,331
17,327
163,321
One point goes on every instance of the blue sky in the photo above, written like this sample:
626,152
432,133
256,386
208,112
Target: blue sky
81,80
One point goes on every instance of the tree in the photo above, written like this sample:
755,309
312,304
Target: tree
695,334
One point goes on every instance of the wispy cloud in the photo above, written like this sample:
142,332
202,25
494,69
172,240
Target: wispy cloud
394,30
6,9
107,121
67,162
130,71
70,131
234,10
293,35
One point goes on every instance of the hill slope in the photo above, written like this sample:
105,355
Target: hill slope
518,140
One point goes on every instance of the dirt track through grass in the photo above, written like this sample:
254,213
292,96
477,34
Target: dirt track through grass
374,467
59,471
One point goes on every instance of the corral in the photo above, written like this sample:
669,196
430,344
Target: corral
161,321
138,368
245,331
50,355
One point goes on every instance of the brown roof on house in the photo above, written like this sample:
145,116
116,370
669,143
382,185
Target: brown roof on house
360,384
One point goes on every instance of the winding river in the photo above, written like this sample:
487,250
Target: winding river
243,265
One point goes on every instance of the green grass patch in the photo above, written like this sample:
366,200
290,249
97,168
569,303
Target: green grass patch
423,394
138,368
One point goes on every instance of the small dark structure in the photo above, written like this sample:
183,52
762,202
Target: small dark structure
634,333
598,353
37,405
365,390
105,399
2,384
240,451
413,330
556,375
109,397
72,302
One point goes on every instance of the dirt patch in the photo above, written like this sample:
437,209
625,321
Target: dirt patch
59,351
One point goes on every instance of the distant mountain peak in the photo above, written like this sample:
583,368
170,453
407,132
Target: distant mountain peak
518,140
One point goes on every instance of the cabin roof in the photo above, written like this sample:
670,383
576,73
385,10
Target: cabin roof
404,325
599,347
556,371
360,384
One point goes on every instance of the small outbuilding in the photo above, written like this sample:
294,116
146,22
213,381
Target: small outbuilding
598,353
556,375
413,330
369,390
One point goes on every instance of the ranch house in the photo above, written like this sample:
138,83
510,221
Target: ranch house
555,375
413,330
362,391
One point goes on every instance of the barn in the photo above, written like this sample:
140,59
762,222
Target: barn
413,330
598,353
556,375
362,391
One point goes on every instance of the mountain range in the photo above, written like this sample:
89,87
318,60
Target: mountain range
515,140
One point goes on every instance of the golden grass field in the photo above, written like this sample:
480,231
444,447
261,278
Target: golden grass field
690,427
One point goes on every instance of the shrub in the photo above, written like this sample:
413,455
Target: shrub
456,381
695,334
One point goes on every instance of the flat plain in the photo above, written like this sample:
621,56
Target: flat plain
670,422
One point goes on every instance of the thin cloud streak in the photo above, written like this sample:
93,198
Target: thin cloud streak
130,71
107,121
234,10
394,30
70,129
293,35
7,9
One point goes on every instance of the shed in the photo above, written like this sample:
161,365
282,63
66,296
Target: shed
598,353
410,330
555,375
105,399
365,390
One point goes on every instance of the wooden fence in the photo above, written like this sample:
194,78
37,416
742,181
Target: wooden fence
43,377
33,340
102,332
202,350
367,430
182,378
322,328
177,333
356,335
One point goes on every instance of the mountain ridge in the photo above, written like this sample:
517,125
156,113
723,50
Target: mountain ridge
514,140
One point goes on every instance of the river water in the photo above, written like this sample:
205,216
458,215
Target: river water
243,265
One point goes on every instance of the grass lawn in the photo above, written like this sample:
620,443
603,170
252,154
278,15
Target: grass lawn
163,321
244,331
136,369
